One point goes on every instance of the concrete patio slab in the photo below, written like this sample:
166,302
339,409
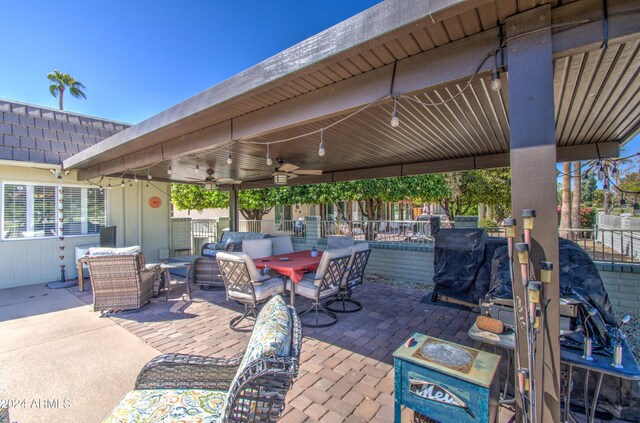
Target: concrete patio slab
59,361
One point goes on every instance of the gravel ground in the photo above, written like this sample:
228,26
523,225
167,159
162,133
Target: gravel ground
631,330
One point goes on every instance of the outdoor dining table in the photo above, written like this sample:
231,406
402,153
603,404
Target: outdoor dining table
291,265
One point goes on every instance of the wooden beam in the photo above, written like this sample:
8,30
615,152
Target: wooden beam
533,186
492,161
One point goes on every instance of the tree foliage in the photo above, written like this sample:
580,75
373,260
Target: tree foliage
457,192
60,82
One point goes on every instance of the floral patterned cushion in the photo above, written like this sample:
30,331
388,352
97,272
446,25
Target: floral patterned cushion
271,336
169,405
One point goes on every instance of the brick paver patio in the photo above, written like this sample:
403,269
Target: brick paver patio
346,371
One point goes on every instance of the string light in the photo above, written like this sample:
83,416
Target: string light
394,115
149,177
135,178
321,151
269,161
197,167
496,84
169,171
122,183
229,159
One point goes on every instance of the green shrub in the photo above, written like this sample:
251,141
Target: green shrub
487,223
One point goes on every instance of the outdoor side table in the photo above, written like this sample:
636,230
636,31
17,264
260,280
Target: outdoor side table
445,381
166,269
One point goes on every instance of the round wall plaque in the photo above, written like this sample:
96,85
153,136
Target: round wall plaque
155,202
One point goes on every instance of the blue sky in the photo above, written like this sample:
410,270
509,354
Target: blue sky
139,57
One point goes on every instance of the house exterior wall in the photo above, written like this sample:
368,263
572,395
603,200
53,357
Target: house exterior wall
31,261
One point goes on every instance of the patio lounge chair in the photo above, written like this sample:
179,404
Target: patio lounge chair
121,282
245,285
359,258
323,284
249,387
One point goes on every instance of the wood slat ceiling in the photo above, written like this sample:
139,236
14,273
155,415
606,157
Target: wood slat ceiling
398,45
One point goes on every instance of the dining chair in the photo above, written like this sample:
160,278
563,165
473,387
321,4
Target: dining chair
281,245
323,284
339,241
355,275
245,285
257,248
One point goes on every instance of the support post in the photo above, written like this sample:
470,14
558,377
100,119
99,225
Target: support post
234,214
533,186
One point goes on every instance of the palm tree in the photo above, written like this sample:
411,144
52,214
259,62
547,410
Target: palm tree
565,214
62,81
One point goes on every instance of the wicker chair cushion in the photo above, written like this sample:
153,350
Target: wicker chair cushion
108,251
210,249
263,290
271,336
281,245
308,288
168,405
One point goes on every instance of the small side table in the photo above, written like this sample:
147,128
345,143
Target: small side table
445,381
166,270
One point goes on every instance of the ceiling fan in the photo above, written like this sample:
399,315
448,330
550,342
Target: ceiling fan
286,171
211,182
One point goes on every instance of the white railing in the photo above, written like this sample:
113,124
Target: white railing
607,245
274,227
395,231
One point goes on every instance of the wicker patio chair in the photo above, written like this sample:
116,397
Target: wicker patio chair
245,285
323,284
249,387
359,258
121,282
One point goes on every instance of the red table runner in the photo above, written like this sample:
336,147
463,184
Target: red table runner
294,268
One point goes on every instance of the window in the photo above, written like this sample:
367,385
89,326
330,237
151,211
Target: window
30,211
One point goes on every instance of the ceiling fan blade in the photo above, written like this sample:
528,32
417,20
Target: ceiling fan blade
244,169
307,172
193,179
229,182
291,175
288,167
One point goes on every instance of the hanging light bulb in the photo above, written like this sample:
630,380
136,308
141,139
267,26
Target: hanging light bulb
614,168
496,84
122,183
169,171
135,178
109,185
269,161
395,121
229,159
321,151
197,168
149,177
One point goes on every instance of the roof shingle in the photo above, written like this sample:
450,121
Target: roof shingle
40,135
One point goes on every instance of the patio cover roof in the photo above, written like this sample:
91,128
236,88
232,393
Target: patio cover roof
435,47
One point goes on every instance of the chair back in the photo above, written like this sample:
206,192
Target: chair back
238,273
268,367
359,258
257,248
339,241
332,268
119,270
281,245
